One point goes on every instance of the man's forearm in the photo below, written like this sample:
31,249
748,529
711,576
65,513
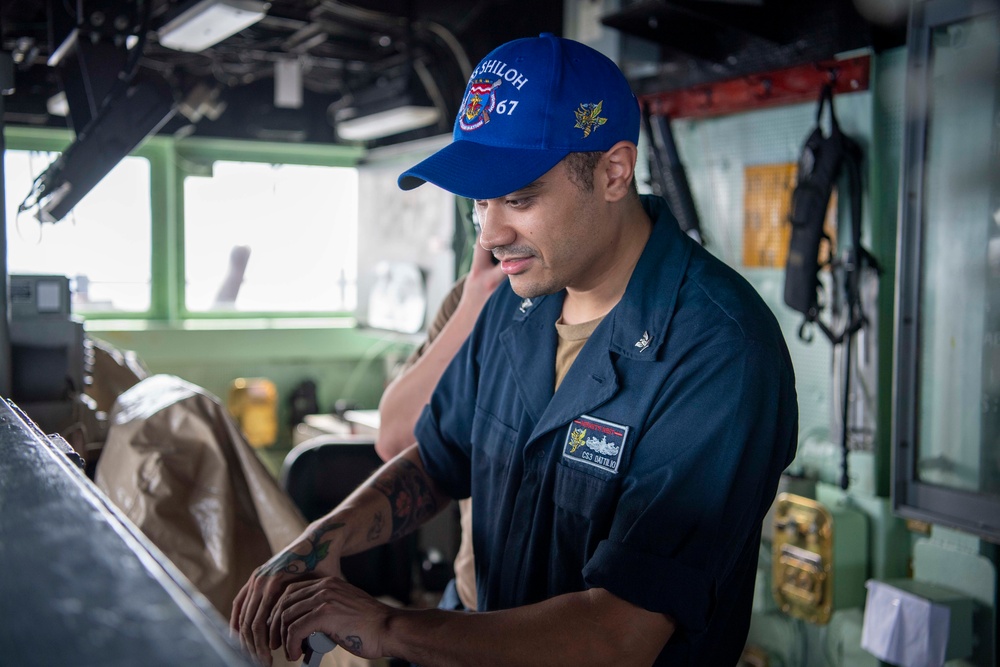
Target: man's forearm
394,502
306,554
588,628
404,399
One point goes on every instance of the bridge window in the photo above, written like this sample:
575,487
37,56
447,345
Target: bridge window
103,245
195,229
271,238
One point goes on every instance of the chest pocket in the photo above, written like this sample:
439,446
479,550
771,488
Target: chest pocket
584,494
493,445
584,507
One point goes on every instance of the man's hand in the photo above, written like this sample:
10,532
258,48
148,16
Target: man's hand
348,615
308,558
482,279
395,501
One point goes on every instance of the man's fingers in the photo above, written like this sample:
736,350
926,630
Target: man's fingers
294,595
275,635
247,610
293,603
481,257
330,605
234,615
293,591
256,613
315,608
259,632
253,612
298,631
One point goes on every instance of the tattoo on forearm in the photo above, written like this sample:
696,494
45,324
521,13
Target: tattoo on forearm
295,563
378,521
351,643
409,494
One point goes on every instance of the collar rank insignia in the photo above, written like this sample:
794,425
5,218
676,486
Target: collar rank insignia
478,104
595,443
525,305
588,117
643,342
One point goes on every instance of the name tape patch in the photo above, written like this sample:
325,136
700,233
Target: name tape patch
595,442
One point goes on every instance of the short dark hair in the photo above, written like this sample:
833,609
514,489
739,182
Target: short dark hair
581,166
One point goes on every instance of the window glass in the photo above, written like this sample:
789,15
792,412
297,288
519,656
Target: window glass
103,245
959,444
271,238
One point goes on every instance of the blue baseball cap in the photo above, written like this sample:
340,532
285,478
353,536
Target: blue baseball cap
529,104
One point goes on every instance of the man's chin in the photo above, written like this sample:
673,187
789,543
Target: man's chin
529,289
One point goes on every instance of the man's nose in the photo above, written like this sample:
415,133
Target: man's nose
494,228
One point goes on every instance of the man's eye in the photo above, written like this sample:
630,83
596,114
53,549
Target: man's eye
517,203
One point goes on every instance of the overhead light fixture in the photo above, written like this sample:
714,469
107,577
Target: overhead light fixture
288,83
205,23
58,104
386,123
386,110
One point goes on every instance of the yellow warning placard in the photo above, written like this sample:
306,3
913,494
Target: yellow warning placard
767,201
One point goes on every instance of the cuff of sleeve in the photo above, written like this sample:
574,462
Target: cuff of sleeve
436,462
685,593
437,473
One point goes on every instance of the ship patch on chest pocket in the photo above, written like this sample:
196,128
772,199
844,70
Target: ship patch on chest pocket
595,442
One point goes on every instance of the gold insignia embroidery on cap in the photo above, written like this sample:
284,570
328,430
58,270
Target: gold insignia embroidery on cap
588,117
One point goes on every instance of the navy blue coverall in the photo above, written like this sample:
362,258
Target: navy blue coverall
649,471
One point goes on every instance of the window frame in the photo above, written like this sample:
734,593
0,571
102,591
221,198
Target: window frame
976,513
171,160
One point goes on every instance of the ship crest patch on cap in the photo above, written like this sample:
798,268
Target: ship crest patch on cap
479,104
588,117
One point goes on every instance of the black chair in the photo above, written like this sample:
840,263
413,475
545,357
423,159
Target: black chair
318,474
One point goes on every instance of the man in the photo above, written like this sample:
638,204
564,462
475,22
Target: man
620,413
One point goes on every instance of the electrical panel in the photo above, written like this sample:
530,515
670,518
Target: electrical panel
47,347
819,558
34,296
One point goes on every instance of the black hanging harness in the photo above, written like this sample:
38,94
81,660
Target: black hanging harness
822,162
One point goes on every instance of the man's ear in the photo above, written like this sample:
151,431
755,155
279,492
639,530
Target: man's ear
619,170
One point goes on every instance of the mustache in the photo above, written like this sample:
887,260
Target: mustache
508,251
